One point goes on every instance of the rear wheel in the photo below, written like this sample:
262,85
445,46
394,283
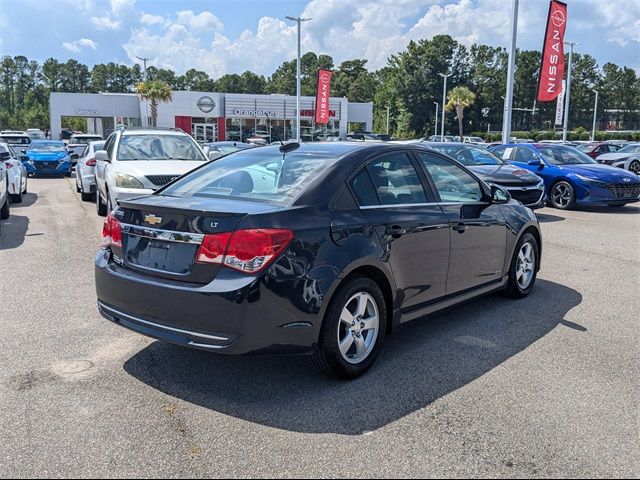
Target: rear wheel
635,167
4,211
17,198
353,330
562,196
524,267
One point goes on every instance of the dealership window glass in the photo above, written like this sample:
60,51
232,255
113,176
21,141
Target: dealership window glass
452,182
363,189
158,147
253,174
396,181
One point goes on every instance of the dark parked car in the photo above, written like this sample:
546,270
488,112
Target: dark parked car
318,249
594,149
523,185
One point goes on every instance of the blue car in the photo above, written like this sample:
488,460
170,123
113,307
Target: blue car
571,177
48,157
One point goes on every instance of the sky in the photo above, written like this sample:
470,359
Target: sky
231,36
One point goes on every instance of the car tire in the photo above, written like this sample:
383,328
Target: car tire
523,269
17,198
78,187
634,167
87,197
357,320
101,208
562,195
5,210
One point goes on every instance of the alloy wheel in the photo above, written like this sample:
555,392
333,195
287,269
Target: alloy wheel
526,265
358,329
561,195
635,167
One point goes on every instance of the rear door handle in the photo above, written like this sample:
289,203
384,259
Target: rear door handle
460,227
395,231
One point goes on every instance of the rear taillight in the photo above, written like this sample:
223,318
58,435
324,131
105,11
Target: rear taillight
248,251
8,165
91,162
112,232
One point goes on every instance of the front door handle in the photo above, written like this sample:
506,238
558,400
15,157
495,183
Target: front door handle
395,231
460,227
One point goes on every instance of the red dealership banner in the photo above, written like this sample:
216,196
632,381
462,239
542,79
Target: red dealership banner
552,69
322,97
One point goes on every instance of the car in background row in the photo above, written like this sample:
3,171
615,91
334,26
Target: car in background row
4,195
77,144
594,149
35,134
627,157
368,137
523,185
572,178
18,140
224,148
17,176
86,171
139,161
440,138
49,157
349,241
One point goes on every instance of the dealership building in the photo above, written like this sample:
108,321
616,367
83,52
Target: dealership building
210,116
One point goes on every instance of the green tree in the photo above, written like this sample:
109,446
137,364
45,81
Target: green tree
460,98
155,91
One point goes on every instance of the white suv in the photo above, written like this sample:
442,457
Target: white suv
137,162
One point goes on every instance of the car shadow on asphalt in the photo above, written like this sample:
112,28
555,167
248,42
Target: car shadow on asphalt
420,363
620,210
28,199
14,229
548,218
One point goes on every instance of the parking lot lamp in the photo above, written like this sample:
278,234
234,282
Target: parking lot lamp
444,103
595,114
508,98
299,21
568,92
435,130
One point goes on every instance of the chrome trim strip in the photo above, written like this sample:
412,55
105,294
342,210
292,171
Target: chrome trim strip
164,235
162,327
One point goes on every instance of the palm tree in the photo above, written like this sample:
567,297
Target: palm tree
155,91
460,98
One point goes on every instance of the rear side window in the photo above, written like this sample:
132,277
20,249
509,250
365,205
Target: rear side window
396,181
364,190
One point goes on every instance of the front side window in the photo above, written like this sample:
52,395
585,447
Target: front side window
158,147
524,155
396,181
253,174
452,182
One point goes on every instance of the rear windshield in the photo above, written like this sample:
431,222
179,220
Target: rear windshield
159,147
17,140
252,174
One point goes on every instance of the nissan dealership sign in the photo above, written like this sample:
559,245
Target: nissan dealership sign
257,113
206,104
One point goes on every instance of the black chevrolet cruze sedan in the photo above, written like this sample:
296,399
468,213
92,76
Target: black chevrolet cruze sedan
318,249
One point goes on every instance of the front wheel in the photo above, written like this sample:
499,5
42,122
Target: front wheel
635,167
17,198
353,330
101,208
562,196
524,267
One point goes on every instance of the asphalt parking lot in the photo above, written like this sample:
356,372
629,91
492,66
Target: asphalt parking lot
546,386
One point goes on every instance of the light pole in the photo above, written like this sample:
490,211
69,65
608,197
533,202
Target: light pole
144,61
388,111
146,102
435,130
508,98
595,114
299,21
568,92
444,103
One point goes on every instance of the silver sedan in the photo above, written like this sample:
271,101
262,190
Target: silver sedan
85,171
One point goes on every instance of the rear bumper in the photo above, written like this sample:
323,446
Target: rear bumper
232,315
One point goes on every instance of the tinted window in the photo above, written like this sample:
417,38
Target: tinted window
451,181
364,190
158,147
561,155
524,155
110,144
253,174
396,181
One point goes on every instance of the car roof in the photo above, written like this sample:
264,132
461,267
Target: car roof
87,135
38,142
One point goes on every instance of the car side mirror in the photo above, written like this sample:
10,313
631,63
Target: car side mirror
499,195
214,155
102,156
75,156
535,162
23,150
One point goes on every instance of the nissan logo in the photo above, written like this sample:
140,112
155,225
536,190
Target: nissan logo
206,104
558,18
325,77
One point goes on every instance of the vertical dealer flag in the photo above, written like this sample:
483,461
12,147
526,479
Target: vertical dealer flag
322,97
552,69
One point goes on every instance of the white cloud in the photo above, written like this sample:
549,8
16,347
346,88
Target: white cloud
149,19
80,45
203,21
105,23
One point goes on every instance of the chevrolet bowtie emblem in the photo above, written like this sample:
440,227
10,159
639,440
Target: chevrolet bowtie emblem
152,219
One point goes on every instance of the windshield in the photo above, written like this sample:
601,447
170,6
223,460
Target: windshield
635,148
252,174
47,147
16,140
469,155
585,147
159,147
561,155
84,140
